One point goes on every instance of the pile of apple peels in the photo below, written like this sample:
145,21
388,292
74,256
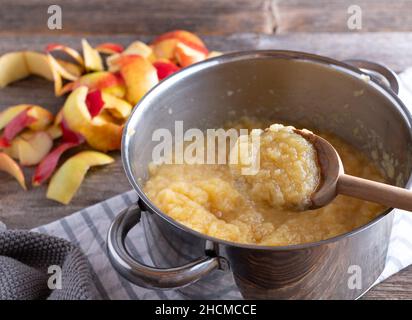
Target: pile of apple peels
103,84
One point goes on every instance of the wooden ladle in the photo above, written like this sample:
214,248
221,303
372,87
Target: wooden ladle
334,181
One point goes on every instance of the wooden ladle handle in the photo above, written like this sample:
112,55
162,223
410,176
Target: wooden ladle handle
369,190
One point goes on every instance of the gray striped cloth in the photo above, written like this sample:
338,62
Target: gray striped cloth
88,229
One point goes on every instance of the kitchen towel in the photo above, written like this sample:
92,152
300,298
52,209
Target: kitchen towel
88,229
39,266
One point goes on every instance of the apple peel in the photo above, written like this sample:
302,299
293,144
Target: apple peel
70,51
187,56
34,148
94,102
135,48
139,76
10,113
100,80
165,68
68,178
92,59
48,165
119,108
165,45
7,164
12,68
109,48
15,126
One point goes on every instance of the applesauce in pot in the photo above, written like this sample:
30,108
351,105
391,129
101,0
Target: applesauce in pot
215,200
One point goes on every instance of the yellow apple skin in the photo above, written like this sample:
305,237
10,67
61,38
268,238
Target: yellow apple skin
75,110
33,149
68,178
12,68
37,64
105,136
43,118
10,166
15,66
92,59
165,45
102,80
135,48
99,134
10,113
119,108
139,75
55,130
186,56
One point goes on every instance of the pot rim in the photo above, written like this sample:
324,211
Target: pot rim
245,55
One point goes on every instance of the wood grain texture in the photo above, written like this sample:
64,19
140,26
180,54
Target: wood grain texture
332,16
390,48
396,287
139,17
29,209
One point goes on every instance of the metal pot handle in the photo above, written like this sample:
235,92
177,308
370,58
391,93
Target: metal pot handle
143,275
379,72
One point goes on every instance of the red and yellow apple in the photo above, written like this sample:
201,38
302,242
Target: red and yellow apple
33,117
98,132
164,46
101,80
139,75
109,48
47,166
165,68
135,48
68,178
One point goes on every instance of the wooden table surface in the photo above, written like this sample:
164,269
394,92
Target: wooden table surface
313,26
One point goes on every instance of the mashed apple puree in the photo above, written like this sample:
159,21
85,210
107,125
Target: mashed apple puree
288,172
215,200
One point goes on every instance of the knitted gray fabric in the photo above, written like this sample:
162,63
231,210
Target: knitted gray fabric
24,261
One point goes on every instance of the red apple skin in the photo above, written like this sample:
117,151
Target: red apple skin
165,69
48,165
94,102
185,37
15,126
110,48
109,82
139,75
69,135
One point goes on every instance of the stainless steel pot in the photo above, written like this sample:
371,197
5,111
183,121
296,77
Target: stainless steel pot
293,87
